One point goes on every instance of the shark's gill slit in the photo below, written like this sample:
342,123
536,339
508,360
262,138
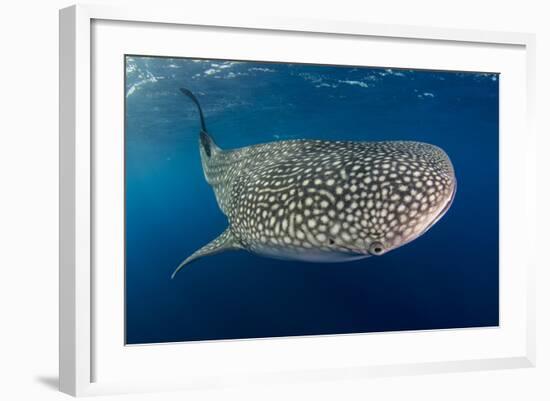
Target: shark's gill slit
323,201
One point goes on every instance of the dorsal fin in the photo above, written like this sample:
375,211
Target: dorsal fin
225,242
208,144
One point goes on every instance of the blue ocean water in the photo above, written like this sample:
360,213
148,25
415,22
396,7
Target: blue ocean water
447,278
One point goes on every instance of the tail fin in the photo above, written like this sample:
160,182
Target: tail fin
207,142
188,93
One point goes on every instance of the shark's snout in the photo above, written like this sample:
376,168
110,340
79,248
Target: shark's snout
429,195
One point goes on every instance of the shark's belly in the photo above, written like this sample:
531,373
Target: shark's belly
304,254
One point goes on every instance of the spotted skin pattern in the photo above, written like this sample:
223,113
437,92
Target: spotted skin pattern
325,201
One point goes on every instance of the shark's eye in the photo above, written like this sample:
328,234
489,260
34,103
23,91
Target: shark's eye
331,241
376,248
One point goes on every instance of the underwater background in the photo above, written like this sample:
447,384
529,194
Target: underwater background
446,278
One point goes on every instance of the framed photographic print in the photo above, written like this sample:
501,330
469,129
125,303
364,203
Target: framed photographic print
269,201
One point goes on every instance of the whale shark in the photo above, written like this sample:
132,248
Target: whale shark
323,201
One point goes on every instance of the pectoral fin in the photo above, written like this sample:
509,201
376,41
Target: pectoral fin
225,242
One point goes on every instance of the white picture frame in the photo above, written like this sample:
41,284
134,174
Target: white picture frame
78,168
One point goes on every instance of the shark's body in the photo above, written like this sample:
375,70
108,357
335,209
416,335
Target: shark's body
325,201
